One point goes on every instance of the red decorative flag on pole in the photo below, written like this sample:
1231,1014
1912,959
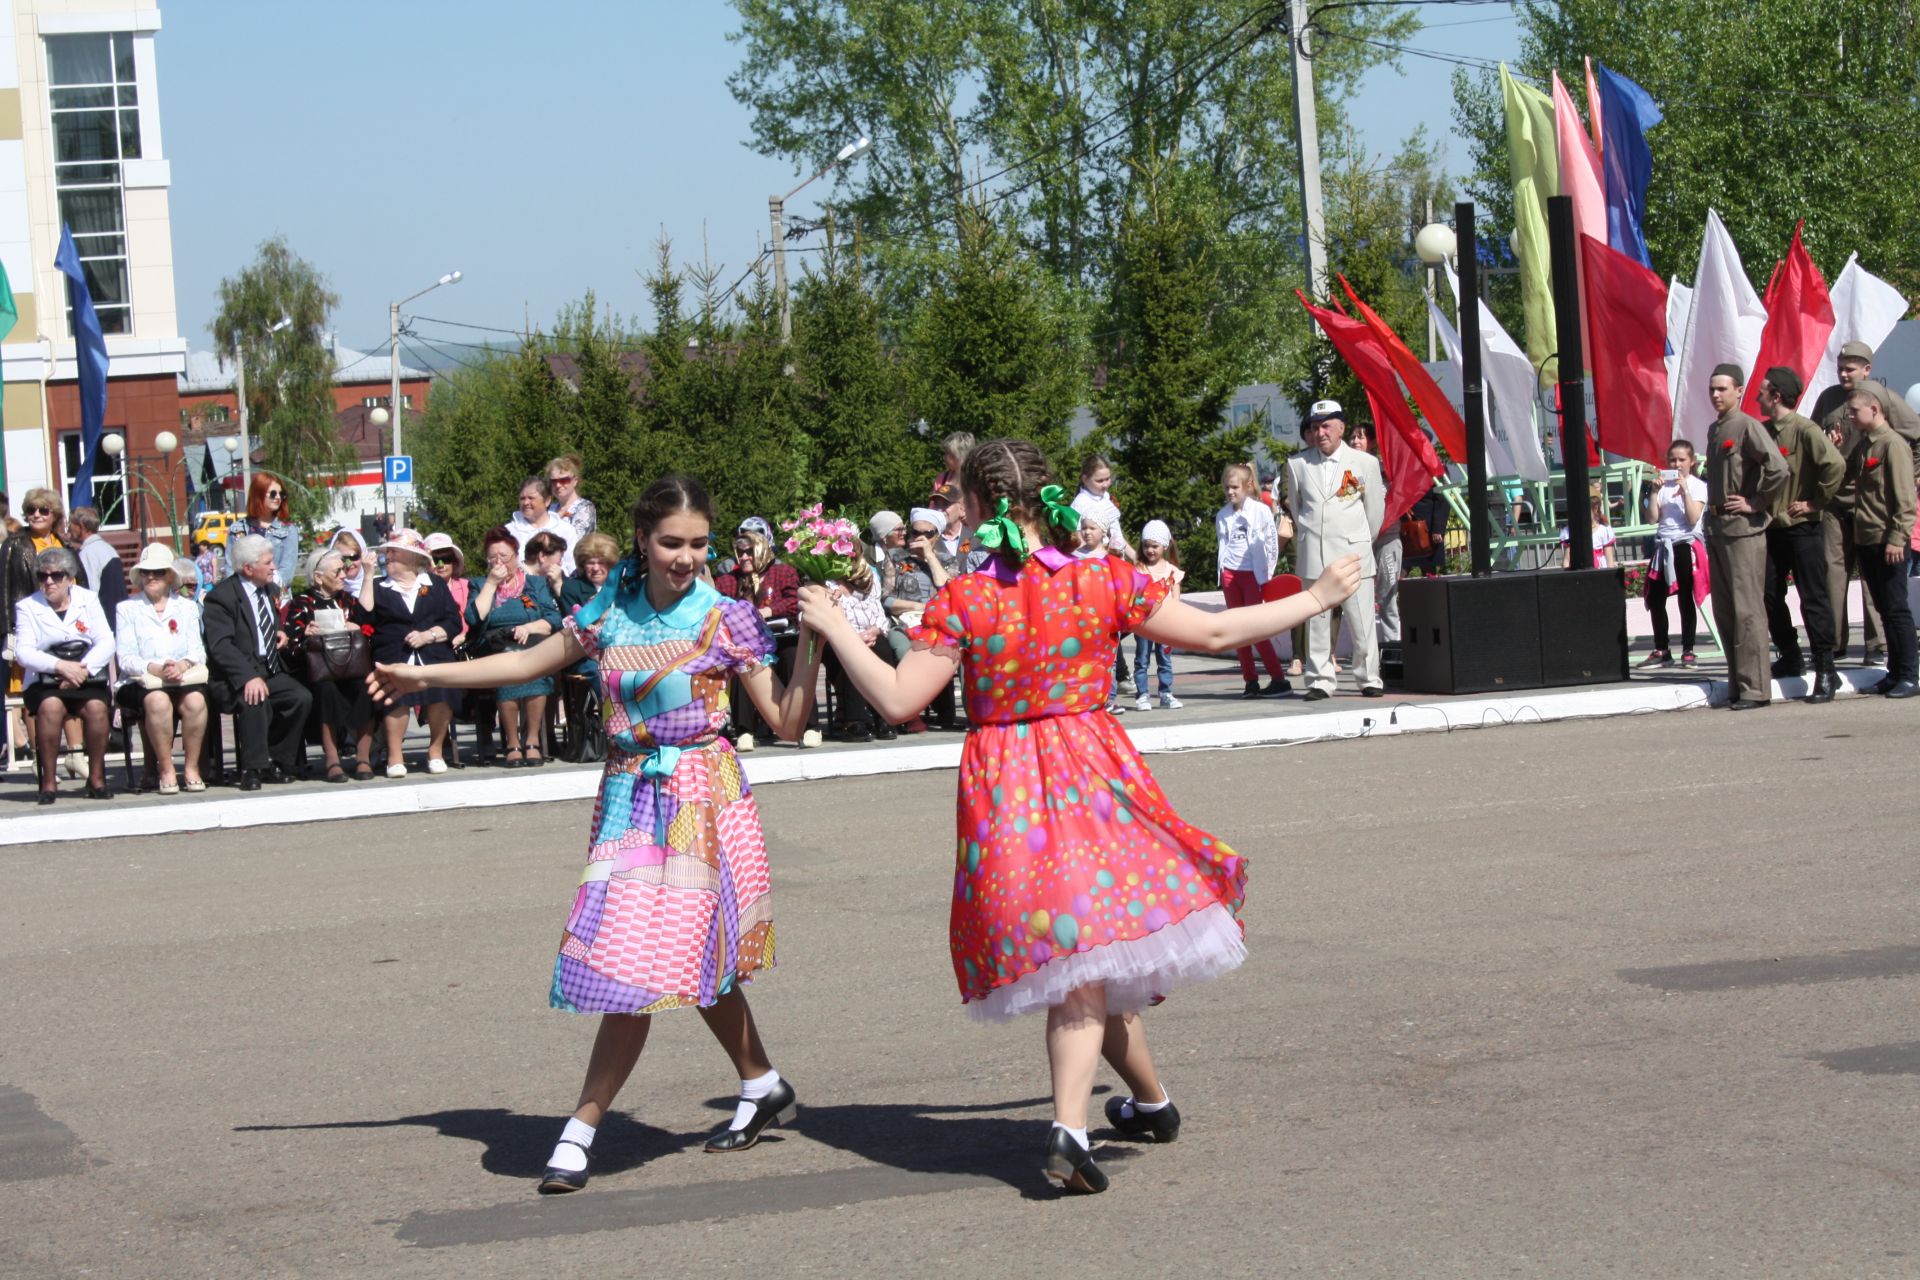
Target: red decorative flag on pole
1627,307
1799,320
1439,412
1405,453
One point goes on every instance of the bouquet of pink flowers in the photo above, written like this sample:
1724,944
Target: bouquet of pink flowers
822,549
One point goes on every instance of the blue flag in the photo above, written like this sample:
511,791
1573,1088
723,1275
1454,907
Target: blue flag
1626,113
91,356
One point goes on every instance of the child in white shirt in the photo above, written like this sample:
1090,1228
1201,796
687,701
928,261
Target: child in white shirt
1249,552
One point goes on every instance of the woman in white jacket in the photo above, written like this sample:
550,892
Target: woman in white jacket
163,668
62,641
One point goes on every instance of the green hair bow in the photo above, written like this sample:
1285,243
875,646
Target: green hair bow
1002,532
1060,512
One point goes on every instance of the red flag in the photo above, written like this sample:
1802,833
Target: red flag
1628,306
1405,453
1799,320
1434,405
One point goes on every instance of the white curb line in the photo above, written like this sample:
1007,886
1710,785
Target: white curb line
1369,720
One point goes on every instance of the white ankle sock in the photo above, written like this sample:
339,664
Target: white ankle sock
751,1091
568,1156
1134,1107
1078,1135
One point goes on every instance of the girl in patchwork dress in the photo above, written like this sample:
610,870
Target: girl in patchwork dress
1077,889
675,909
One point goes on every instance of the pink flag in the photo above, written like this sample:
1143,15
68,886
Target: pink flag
1579,166
1799,321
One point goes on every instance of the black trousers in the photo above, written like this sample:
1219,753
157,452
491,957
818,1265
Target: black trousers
1799,550
273,730
1887,584
850,710
1657,591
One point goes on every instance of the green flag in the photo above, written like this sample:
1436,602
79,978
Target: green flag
1535,159
9,316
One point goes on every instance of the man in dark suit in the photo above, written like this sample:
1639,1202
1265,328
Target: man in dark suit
246,656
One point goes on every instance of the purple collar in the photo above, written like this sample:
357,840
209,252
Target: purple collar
1051,558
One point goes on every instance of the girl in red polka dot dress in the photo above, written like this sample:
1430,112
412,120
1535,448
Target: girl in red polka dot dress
1077,889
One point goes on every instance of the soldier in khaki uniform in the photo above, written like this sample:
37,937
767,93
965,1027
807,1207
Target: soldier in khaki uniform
1795,542
1881,467
1744,472
1830,412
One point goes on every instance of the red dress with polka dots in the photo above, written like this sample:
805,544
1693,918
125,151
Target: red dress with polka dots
1070,867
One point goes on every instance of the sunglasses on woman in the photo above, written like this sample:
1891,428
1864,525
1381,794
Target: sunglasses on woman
54,575
443,558
350,557
39,511
274,493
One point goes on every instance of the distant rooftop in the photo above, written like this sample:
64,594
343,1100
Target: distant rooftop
212,371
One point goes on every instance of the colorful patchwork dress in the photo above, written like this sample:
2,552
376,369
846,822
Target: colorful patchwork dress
675,906
1070,867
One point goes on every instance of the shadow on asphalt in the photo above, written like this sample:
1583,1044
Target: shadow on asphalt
516,1146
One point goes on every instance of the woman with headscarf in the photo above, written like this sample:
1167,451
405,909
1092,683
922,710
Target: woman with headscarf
355,564
773,589
163,668
342,708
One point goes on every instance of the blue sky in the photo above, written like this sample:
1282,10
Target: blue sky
538,149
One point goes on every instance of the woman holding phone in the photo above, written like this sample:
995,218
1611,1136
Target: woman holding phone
1676,509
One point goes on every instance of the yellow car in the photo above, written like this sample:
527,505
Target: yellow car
213,527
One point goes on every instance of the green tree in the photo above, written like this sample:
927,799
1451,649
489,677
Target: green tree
862,456
274,313
1775,111
1170,377
994,347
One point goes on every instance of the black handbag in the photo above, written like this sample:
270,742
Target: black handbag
338,655
70,651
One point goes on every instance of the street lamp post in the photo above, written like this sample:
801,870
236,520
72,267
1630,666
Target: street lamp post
776,213
393,371
113,445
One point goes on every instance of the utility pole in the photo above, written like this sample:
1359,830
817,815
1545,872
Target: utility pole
1307,124
393,401
246,444
777,211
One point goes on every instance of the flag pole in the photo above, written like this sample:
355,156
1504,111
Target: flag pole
1573,390
1474,406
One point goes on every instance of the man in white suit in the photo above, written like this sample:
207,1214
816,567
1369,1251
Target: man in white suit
1337,500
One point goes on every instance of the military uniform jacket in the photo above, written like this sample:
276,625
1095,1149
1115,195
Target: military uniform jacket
1815,469
1880,468
1742,461
1830,412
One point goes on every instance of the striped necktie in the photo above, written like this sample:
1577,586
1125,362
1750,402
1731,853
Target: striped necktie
264,618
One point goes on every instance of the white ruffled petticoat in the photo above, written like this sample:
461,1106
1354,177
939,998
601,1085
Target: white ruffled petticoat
1199,946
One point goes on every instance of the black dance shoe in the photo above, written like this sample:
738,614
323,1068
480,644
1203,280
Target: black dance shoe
1278,687
557,1182
778,1107
1070,1168
1155,1126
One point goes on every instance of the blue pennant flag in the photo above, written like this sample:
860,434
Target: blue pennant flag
91,355
1626,113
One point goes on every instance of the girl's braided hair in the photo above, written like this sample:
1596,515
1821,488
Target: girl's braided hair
1017,471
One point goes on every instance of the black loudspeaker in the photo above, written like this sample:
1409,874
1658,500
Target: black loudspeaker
1470,635
1583,626
1514,631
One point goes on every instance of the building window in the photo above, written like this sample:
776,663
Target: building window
109,479
96,126
386,402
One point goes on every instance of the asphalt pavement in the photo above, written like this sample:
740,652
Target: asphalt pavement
1622,997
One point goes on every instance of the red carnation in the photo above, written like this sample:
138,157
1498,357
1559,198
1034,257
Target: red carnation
1783,452
1727,445
173,625
1871,464
80,626
366,629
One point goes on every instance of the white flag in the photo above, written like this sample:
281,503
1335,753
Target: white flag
1865,309
1679,312
1724,327
1513,441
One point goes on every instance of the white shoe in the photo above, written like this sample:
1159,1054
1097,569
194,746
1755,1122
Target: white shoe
74,765
743,744
811,738
1170,703
1143,703
436,766
397,769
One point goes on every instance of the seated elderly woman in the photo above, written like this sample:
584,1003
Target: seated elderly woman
62,641
342,708
512,609
596,554
163,668
414,623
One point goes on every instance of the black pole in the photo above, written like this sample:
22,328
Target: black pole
1573,373
1479,522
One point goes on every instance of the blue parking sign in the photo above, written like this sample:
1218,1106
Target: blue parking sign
399,468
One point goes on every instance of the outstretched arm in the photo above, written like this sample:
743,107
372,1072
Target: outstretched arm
1186,627
555,653
896,693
